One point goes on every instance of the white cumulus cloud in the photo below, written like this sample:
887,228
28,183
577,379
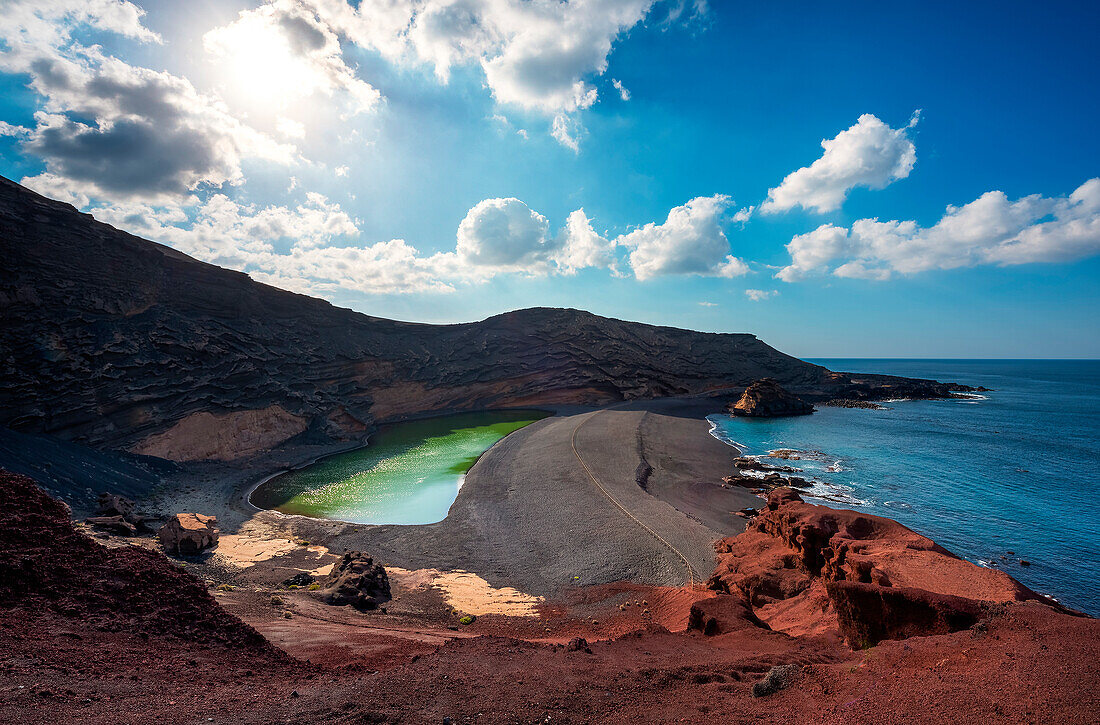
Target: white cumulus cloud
757,295
580,246
109,129
537,55
505,234
992,229
690,241
869,154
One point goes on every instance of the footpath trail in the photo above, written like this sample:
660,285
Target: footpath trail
560,504
692,578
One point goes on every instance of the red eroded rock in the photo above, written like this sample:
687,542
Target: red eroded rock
721,614
881,579
47,565
189,533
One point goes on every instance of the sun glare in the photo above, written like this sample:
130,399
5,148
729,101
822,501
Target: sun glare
259,68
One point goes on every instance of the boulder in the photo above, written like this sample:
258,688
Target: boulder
578,644
778,678
357,581
301,579
721,614
189,534
112,506
112,524
766,399
109,504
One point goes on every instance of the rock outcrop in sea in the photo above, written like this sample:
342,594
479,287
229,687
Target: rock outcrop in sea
766,398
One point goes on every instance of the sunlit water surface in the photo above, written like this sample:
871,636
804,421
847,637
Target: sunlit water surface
410,473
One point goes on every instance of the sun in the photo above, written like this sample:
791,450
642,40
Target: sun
257,65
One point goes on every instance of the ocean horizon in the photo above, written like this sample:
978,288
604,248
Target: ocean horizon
1009,470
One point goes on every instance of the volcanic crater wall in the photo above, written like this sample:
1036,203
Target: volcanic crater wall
117,342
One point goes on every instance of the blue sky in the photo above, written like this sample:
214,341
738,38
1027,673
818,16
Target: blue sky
444,160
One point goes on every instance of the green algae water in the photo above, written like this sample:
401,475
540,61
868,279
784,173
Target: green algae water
409,474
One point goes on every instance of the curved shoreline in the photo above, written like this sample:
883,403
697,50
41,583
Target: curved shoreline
366,445
526,516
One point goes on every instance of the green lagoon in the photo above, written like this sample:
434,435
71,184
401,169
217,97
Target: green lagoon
409,474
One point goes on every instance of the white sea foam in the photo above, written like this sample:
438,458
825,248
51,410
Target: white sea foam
720,435
837,493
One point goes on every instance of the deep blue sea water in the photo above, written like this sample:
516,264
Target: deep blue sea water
1016,470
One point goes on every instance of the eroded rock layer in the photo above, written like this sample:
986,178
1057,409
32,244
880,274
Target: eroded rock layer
807,569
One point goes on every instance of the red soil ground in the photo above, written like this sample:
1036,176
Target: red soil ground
120,636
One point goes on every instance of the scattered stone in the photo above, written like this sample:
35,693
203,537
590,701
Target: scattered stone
112,524
109,504
1025,562
778,678
189,534
578,644
357,581
116,514
300,579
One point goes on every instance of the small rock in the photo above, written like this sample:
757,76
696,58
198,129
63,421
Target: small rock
578,644
112,524
1025,562
778,678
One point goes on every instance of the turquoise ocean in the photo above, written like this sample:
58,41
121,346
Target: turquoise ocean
1014,470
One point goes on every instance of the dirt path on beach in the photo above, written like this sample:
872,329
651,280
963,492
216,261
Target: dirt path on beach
626,493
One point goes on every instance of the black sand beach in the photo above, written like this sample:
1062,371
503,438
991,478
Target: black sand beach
529,516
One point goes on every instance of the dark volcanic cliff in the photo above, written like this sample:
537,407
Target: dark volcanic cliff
117,342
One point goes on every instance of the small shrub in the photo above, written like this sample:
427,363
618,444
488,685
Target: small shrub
314,587
467,619
277,601
225,588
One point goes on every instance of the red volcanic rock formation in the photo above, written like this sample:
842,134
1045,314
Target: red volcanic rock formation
767,399
45,564
811,569
96,635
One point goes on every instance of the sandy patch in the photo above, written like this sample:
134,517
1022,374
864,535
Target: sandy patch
249,548
469,593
